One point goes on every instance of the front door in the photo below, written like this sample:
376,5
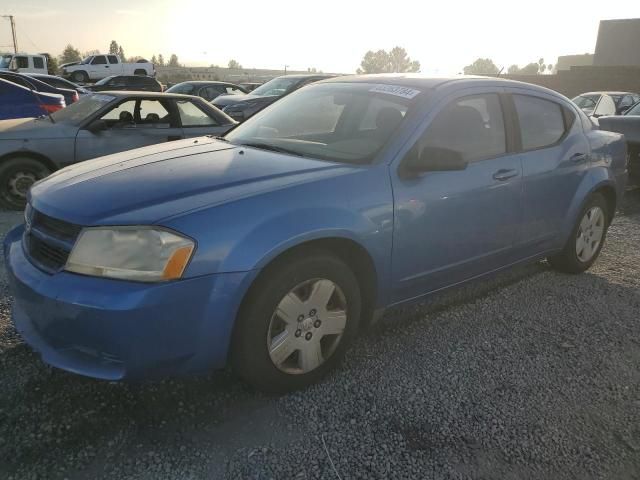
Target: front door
454,225
99,67
130,124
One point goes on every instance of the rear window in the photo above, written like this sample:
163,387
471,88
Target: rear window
542,122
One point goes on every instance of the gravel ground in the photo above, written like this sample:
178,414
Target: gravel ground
531,374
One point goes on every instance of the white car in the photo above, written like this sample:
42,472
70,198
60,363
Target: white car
97,67
24,63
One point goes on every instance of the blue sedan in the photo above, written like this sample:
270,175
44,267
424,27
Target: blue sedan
17,101
270,248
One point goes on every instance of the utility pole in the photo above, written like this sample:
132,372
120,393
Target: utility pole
285,69
13,32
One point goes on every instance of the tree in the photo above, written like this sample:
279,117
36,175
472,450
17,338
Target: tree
70,54
121,53
154,60
114,49
234,64
88,53
381,61
550,67
173,60
52,65
541,66
513,70
481,66
530,69
161,60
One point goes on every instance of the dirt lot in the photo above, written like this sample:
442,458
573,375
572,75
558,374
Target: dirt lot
531,374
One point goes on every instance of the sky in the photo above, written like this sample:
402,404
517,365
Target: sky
330,35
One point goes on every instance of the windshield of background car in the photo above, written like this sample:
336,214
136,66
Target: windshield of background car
5,61
77,112
586,101
277,86
635,110
341,122
183,88
104,81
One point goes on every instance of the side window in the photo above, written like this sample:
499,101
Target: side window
153,113
192,116
606,106
542,122
209,93
472,126
99,60
21,62
122,115
233,90
112,59
38,62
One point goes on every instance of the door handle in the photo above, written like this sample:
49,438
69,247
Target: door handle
578,157
505,174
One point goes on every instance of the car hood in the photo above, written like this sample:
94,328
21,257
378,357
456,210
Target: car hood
32,129
226,100
147,185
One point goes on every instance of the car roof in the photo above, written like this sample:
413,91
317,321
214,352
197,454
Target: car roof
607,93
207,82
125,94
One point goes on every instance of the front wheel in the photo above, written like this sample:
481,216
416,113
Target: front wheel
16,178
296,323
80,77
587,238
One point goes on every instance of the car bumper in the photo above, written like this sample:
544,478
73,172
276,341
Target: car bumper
114,330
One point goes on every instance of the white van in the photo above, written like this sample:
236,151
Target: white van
24,63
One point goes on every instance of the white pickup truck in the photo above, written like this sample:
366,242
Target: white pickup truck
24,63
97,67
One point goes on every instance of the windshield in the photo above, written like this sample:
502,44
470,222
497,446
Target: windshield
86,60
77,112
183,88
635,110
586,101
104,81
341,122
278,86
5,61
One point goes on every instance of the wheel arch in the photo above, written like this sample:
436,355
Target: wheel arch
46,161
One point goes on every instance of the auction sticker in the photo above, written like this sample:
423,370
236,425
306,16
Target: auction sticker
397,90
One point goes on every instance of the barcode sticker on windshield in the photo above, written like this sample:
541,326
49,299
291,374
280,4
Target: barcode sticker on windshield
396,90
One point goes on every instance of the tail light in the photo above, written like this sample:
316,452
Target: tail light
75,97
51,108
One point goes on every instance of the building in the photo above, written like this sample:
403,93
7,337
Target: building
565,62
618,43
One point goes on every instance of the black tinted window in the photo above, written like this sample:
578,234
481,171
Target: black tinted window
38,62
472,126
99,60
541,121
22,62
112,59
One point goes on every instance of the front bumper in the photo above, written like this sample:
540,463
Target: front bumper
113,330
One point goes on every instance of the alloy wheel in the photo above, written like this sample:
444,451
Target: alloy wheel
590,234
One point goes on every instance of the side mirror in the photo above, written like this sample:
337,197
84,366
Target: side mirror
433,159
97,126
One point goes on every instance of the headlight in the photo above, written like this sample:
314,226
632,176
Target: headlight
143,254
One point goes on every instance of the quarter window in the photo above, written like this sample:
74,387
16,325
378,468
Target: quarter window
38,62
192,116
541,121
472,126
112,59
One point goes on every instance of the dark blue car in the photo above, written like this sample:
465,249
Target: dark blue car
70,95
20,102
270,248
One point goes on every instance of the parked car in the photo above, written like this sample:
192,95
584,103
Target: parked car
135,83
599,104
272,247
250,86
629,125
70,96
23,63
17,101
97,67
59,82
241,107
207,90
98,124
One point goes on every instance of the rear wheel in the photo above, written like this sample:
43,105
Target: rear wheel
296,323
80,77
587,238
16,178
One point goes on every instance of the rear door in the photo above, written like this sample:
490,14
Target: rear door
196,122
131,124
555,155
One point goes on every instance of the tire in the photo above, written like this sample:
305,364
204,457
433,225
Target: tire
283,287
16,178
80,77
578,255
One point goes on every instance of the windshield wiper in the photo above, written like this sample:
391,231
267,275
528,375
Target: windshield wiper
271,148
